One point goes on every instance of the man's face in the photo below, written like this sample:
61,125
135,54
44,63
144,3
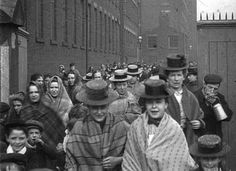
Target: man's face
54,89
210,163
33,134
72,68
17,139
39,81
175,79
98,113
121,87
17,105
34,94
156,107
211,89
71,79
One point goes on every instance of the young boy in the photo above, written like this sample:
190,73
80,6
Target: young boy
40,154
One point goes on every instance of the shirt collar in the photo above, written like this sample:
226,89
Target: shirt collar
10,150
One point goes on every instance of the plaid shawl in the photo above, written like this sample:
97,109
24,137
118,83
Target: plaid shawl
88,145
61,104
167,151
54,130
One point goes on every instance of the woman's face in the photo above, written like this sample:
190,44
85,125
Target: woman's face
17,139
54,89
156,107
209,163
17,105
34,94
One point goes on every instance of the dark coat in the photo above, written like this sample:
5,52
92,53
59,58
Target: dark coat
192,111
40,157
212,125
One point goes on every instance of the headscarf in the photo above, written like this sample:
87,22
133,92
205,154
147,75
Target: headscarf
62,103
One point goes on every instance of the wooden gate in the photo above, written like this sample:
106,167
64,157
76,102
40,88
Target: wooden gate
222,60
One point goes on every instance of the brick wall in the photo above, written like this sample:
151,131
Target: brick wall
58,33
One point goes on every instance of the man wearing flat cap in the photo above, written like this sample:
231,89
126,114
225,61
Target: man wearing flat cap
155,140
97,141
183,105
209,98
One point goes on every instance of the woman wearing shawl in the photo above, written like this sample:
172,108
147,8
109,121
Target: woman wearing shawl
36,110
155,141
57,98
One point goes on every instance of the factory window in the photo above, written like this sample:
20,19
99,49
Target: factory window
173,41
152,41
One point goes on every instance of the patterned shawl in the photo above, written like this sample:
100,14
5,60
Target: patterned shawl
54,130
61,104
167,150
88,145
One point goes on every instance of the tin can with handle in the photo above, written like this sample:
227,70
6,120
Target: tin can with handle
219,112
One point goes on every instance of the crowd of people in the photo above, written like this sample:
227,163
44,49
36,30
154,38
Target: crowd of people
134,117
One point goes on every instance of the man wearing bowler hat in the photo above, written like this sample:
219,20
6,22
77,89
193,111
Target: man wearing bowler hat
209,97
183,105
126,104
155,140
97,141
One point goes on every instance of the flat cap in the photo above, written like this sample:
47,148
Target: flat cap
212,79
34,124
4,107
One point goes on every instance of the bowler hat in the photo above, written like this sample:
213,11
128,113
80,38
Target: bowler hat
153,89
4,107
176,63
88,76
133,69
96,93
120,76
212,79
209,145
34,124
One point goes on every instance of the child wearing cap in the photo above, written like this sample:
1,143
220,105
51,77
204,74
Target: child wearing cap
41,155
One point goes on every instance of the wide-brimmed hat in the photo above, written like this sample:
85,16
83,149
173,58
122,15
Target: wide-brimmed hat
34,124
176,63
4,107
153,89
133,69
96,93
209,145
88,77
120,76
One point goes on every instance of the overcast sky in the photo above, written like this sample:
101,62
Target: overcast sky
211,6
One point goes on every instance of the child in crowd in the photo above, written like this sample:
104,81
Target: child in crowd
40,154
209,151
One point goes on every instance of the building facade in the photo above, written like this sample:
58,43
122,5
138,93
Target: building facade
168,27
87,32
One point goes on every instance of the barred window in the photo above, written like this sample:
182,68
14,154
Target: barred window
152,42
173,41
